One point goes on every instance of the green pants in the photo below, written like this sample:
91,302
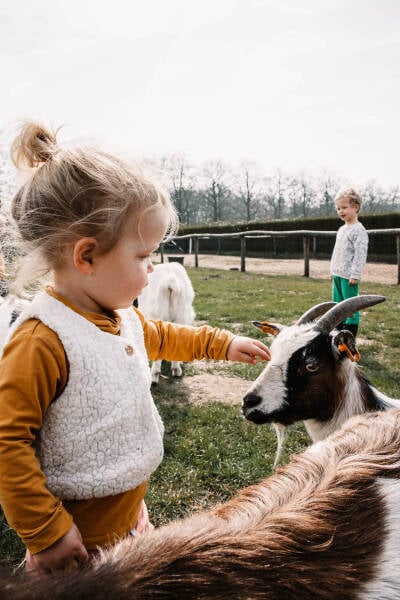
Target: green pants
341,290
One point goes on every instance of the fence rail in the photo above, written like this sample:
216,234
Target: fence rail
307,236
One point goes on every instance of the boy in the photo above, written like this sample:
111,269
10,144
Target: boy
349,254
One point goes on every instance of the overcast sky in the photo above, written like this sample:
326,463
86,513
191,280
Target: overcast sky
295,84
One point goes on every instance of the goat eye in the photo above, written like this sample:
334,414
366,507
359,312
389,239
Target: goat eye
312,367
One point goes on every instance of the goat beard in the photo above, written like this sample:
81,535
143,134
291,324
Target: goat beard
280,432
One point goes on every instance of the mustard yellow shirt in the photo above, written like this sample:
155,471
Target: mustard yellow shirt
34,372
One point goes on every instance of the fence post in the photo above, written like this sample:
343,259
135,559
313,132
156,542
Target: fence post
243,253
196,251
162,252
398,258
306,252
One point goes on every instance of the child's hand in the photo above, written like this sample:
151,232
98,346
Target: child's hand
246,350
67,553
143,523
353,281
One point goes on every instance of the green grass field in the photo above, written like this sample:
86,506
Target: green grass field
211,451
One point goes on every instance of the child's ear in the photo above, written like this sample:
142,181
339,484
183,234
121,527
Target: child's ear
83,253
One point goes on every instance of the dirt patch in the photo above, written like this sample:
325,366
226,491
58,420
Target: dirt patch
207,388
319,269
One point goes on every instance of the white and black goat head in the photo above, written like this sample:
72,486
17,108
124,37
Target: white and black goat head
312,375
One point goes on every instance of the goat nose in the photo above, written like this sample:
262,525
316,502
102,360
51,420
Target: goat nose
251,400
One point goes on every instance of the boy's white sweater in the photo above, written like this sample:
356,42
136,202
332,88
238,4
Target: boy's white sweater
350,251
103,434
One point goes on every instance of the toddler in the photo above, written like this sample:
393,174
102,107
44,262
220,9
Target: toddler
79,432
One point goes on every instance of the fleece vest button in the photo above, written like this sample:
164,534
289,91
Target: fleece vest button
129,350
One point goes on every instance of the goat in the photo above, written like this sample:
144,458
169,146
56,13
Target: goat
169,297
324,526
313,375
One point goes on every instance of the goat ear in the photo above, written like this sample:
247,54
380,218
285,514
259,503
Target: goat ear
267,327
344,344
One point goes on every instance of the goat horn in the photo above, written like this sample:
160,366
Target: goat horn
344,309
316,311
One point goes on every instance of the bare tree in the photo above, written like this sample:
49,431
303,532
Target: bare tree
327,186
276,189
179,179
217,194
372,195
393,198
248,190
214,192
304,192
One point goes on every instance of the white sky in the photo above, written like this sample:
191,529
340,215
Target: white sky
294,84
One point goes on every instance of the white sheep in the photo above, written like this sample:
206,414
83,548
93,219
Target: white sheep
168,297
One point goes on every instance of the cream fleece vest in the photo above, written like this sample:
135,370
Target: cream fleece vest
103,434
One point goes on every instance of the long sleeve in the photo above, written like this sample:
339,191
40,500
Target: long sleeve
169,341
32,370
33,373
360,242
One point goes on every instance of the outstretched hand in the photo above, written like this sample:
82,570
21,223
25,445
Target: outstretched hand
244,349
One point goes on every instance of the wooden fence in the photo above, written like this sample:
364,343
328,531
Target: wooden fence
308,237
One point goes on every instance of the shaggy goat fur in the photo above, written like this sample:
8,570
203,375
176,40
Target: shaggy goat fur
325,526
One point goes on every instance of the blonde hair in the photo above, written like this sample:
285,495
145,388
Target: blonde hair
75,193
351,195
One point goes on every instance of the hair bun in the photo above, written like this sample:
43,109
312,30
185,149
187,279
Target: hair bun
35,144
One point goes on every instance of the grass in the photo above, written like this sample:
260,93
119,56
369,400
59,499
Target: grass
210,451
